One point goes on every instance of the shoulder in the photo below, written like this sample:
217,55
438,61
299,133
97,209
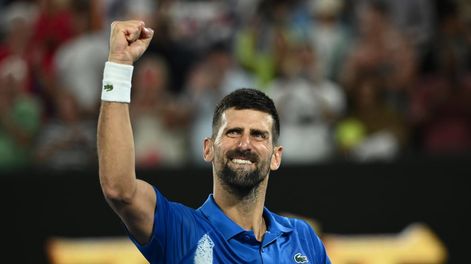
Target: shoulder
165,206
292,221
302,228
174,214
306,239
172,222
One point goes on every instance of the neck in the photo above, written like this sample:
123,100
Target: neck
245,211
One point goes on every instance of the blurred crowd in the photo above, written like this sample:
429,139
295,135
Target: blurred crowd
353,80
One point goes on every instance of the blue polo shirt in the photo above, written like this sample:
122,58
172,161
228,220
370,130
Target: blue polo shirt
206,235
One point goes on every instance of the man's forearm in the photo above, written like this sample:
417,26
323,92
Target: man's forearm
133,200
116,152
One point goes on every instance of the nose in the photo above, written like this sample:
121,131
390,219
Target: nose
244,142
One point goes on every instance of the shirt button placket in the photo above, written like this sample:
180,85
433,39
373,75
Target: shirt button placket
262,251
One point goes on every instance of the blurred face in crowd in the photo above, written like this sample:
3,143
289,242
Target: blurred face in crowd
242,151
371,20
151,77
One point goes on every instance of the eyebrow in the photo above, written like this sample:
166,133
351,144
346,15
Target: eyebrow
252,131
234,129
258,131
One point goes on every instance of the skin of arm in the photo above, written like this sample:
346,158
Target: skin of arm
132,199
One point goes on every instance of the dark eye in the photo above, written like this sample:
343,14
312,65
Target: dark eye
259,135
233,133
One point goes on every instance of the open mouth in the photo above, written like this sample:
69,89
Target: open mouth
242,158
241,161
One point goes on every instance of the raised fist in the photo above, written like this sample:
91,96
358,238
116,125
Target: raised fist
128,41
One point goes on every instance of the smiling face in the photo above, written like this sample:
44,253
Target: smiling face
242,150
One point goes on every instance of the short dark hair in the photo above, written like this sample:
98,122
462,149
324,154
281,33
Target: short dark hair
247,98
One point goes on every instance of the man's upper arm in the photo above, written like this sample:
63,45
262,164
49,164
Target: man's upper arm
138,213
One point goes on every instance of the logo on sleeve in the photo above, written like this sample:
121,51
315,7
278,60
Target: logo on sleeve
299,258
108,87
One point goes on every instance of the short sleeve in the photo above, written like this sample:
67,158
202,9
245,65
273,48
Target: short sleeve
172,222
153,249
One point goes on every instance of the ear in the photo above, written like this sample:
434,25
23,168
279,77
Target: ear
276,158
208,150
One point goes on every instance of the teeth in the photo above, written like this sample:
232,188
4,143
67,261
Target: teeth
241,161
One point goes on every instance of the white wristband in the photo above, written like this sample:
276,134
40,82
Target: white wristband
117,82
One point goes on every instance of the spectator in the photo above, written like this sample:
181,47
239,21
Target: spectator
308,105
20,115
383,51
16,30
79,61
178,56
52,29
67,140
328,36
216,74
157,115
261,42
442,96
372,130
441,114
414,18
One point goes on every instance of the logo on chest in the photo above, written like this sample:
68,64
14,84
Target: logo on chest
204,250
300,258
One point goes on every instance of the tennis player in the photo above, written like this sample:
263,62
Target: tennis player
232,226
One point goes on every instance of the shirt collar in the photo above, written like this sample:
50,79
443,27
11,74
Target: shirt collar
229,229
277,226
